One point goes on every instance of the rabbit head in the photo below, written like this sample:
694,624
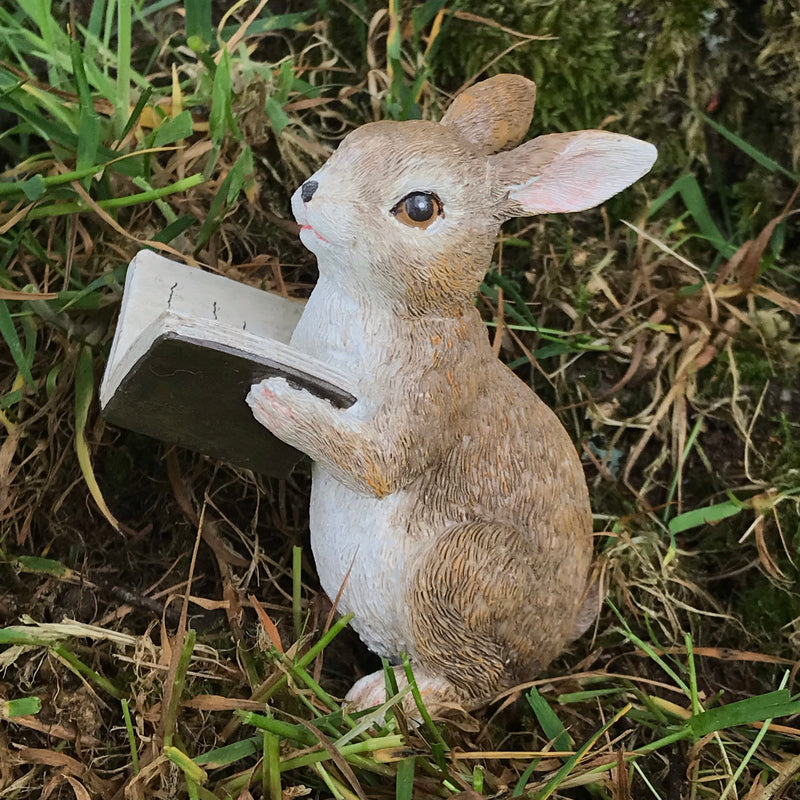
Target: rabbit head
410,210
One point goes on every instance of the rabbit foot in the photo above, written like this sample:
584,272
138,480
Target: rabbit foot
370,691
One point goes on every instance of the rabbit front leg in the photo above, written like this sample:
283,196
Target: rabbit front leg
354,451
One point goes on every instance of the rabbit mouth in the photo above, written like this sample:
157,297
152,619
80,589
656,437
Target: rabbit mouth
319,236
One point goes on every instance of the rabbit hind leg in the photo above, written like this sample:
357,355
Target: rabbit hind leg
487,610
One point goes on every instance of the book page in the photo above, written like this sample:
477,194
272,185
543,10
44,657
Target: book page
162,296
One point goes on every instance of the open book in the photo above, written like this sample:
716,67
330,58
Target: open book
188,346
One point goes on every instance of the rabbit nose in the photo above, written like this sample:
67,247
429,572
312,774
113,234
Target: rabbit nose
307,190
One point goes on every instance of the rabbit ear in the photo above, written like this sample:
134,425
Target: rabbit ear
565,172
495,114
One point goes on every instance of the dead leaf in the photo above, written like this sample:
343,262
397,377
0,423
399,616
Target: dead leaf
269,626
774,789
786,303
9,294
215,702
66,764
80,790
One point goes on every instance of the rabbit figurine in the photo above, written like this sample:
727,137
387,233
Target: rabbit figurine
449,509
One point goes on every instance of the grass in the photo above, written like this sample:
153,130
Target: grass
135,664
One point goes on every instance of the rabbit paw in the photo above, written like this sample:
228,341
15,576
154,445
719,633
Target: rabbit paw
367,692
273,404
271,401
283,409
296,416
370,691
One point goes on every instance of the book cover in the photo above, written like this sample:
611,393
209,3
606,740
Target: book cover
187,348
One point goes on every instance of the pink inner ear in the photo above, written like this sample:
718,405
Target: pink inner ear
589,169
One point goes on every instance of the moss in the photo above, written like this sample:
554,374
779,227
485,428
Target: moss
779,65
637,66
785,466
579,68
754,368
765,609
756,201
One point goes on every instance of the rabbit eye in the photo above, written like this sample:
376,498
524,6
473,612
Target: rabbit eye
419,209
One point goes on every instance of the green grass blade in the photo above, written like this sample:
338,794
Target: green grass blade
285,730
285,82
96,16
556,349
588,694
51,181
297,589
28,636
175,229
490,291
9,333
519,787
423,15
645,647
689,190
191,770
133,118
113,277
178,683
126,713
692,667
33,188
86,671
88,119
231,186
752,709
512,293
301,675
347,751
573,761
10,399
404,786
673,486
229,753
311,653
61,130
150,196
425,714
272,767
294,21
760,158
241,175
278,118
39,11
21,707
199,30
703,516
44,566
122,104
221,120
172,130
552,726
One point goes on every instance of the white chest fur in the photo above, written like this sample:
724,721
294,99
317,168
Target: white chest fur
332,328
359,542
